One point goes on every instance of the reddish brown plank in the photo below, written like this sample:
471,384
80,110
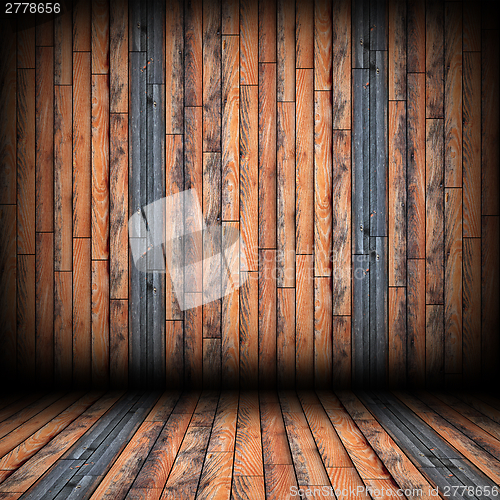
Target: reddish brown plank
193,348
100,323
397,50
230,17
81,26
118,343
304,35
230,128
285,272
212,363
244,487
63,342
453,94
434,345
193,57
118,56
25,236
341,359
81,311
63,26
453,280
471,36
286,51
322,183
323,45
249,321
275,445
44,147
279,481
249,42
82,170
415,126
224,428
44,312
215,480
285,337
267,155
26,47
397,336
304,345
416,36
174,361
434,58
346,479
397,193
267,31
45,31
304,159
323,332
100,36
63,187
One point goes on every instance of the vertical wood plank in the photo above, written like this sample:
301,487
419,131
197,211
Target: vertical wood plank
453,94
453,280
322,183
193,347
434,58
471,35
285,41
44,129
193,55
212,89
341,223
249,42
100,323
304,35
434,345
212,363
100,36
267,318
81,26
82,311
155,42
230,128
25,45
323,45
267,155
174,347
397,50
415,322
434,228
267,31
471,311
361,34
25,234
416,36
397,193
118,56
63,188
285,265
82,120
472,145
304,162
304,337
285,338
249,144
341,65
44,311
118,244
415,157
342,354
249,328
323,332
118,343
360,320
100,166
397,360
230,17
63,42
63,342
44,31
378,25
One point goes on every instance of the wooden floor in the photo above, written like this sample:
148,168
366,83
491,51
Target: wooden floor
251,445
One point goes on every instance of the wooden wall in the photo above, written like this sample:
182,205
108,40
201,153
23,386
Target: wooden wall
353,145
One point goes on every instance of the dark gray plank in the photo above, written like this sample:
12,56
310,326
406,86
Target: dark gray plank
79,488
137,25
156,42
378,25
360,34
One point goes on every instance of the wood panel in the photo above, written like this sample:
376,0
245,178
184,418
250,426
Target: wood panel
285,337
249,42
397,337
304,333
304,35
397,50
267,31
100,323
63,341
434,59
323,299
285,40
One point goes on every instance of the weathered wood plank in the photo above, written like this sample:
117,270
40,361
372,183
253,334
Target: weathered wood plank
397,50
100,323
360,320
249,321
230,17
397,358
63,342
100,36
193,346
244,487
155,43
118,343
304,336
279,480
397,194
378,25
323,45
304,162
224,428
44,31
285,41
215,480
434,59
416,36
471,35
361,34
63,42
81,26
193,54
249,42
275,445
285,337
342,357
304,35
26,46
434,345
267,31
174,348
118,56
267,155
415,157
138,27
346,479
322,184
212,363
323,298
434,227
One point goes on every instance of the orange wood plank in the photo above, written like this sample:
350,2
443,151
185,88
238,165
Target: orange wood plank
453,281
223,435
82,170
453,95
63,341
193,57
285,272
63,26
341,65
397,336
100,36
118,343
434,345
304,345
249,177
267,318
15,405
322,183
434,59
344,480
249,42
285,42
285,337
118,56
26,46
174,348
44,141
304,159
212,363
248,487
63,183
230,17
323,45
275,445
26,200
193,348
100,323
397,193
215,480
415,157
341,348
434,229
81,26
230,128
323,297
279,481
249,321
100,166
267,31
304,35
267,155
81,311
44,310
397,50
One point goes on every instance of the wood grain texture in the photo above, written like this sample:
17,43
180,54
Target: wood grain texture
26,47
100,323
267,31
397,337
342,358
81,27
118,56
323,45
223,434
193,347
434,59
285,41
63,341
397,50
304,161
63,49
434,345
118,343
174,347
246,487
275,445
215,480
285,337
361,34
249,42
323,298
416,58
193,54
212,362
100,36
279,479
304,35
344,479
230,17
249,321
